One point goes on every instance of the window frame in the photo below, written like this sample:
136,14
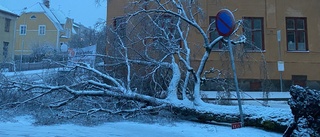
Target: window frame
168,23
42,30
296,31
212,31
120,26
5,49
7,25
23,30
33,17
253,29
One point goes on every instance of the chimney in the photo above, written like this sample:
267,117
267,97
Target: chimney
46,3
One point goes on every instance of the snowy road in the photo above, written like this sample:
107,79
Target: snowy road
22,127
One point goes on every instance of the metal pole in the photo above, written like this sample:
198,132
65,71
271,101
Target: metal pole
280,57
235,81
281,85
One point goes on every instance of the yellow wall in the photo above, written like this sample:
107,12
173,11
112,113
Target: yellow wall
274,13
67,33
25,43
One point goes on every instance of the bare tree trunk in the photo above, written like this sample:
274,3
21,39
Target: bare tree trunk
176,76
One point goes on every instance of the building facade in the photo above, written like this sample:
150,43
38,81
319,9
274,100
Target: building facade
7,34
276,30
41,29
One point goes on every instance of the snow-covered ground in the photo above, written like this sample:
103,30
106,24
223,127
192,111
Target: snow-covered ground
32,72
22,127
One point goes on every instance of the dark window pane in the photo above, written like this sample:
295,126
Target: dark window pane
291,41
301,36
301,41
214,34
5,49
291,36
257,35
290,24
300,24
212,20
248,35
248,46
257,24
247,23
120,24
213,37
7,25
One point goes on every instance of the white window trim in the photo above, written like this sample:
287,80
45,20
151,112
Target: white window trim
44,30
25,30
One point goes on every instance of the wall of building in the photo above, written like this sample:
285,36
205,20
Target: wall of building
66,35
25,43
260,64
7,36
274,13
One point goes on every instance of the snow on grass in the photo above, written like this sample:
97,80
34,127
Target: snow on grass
22,126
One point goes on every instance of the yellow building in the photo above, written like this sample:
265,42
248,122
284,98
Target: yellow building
7,34
297,21
41,27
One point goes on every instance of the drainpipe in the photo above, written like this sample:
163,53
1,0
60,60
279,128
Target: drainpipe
14,43
58,40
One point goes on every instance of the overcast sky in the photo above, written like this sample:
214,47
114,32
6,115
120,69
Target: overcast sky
86,12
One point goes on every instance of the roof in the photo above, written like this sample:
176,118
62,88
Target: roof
62,18
41,8
6,10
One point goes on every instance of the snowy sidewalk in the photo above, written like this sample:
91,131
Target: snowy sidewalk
23,127
31,72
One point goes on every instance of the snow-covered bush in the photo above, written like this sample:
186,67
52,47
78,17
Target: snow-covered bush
305,106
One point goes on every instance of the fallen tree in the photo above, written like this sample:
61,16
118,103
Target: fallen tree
274,119
148,68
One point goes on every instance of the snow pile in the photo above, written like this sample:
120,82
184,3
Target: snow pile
305,106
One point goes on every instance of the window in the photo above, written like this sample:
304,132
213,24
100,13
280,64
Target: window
7,25
145,4
42,30
296,34
23,29
33,17
253,30
120,26
167,23
5,49
166,31
213,34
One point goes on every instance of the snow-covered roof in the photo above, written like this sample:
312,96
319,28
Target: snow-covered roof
4,9
62,18
74,31
41,8
76,25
